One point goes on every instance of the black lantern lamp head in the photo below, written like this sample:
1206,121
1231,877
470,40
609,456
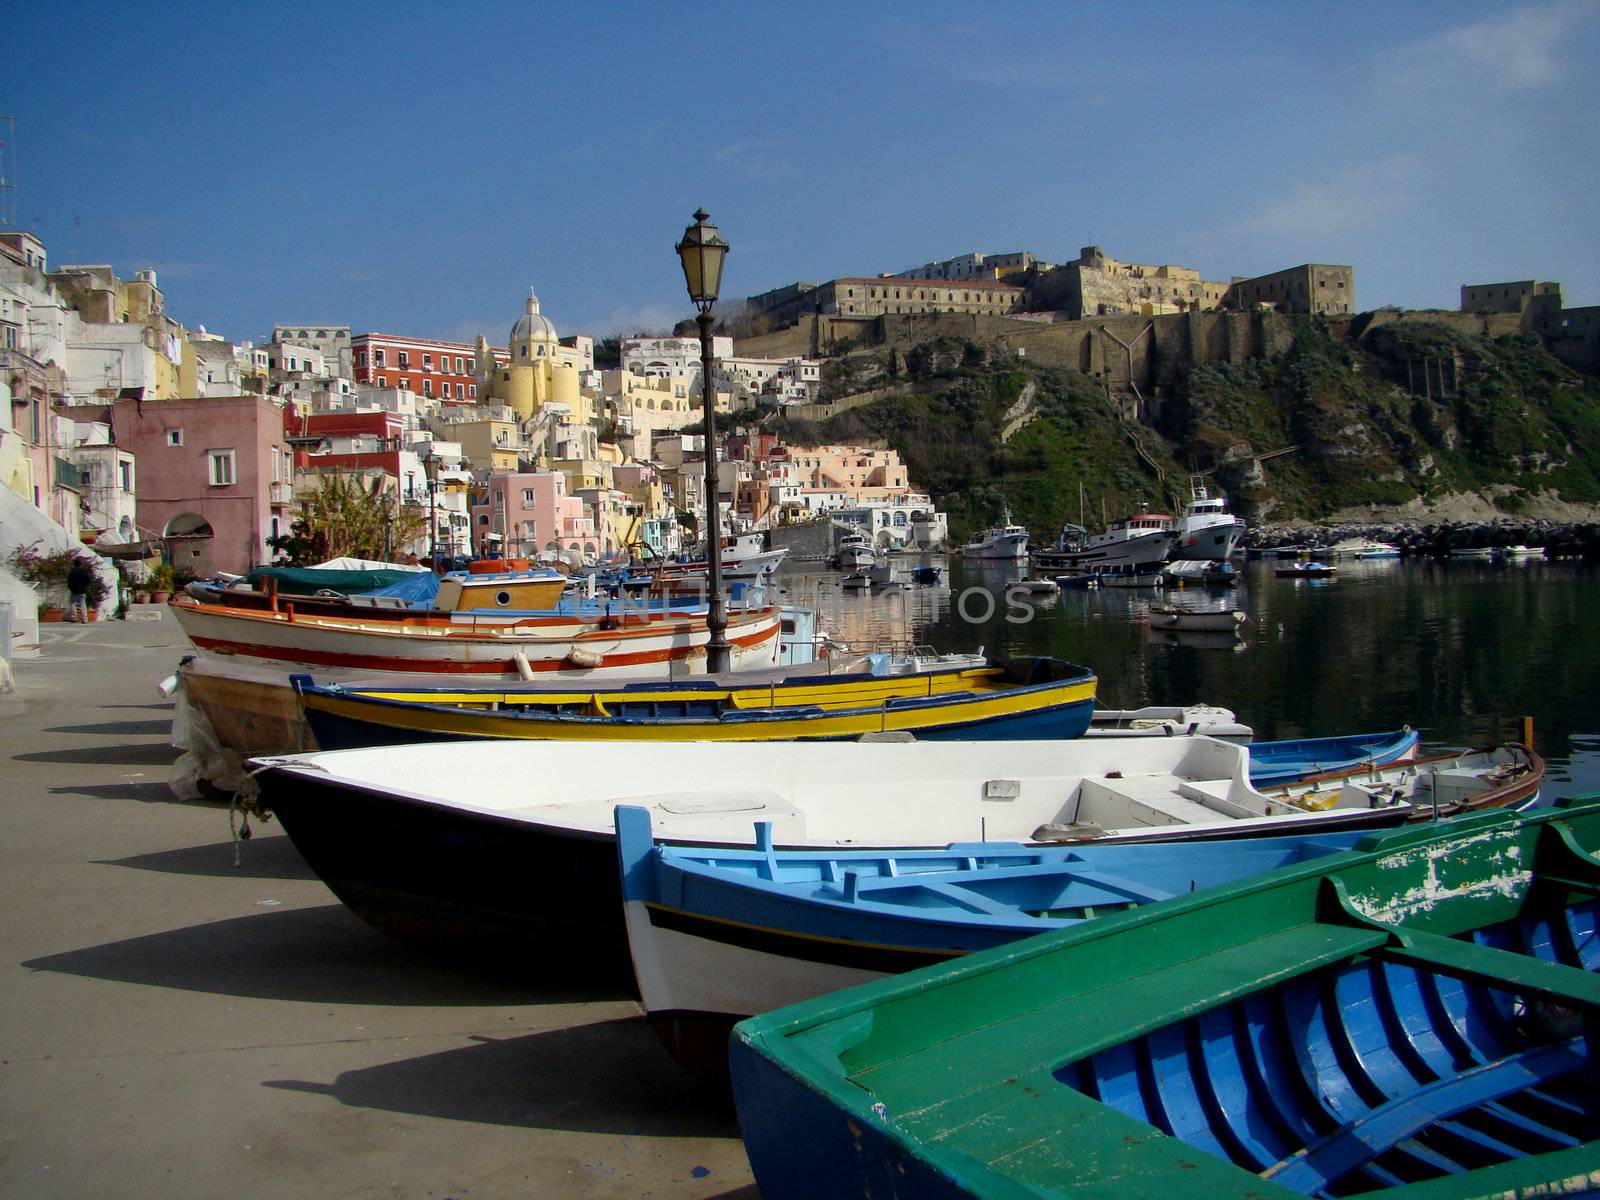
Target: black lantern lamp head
702,251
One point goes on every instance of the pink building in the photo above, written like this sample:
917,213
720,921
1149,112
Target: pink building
534,513
215,477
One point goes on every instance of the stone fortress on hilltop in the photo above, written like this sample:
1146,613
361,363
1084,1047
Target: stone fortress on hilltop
1091,285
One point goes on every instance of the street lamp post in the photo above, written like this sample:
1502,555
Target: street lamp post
702,252
430,470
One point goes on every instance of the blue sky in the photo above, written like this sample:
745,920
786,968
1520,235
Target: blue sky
416,167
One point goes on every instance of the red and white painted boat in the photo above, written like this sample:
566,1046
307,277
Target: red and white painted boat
636,645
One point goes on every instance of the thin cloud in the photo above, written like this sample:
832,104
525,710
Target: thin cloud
1357,200
644,317
1519,50
755,160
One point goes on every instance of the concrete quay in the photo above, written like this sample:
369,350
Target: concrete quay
176,1027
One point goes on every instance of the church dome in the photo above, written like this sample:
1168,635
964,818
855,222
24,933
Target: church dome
532,328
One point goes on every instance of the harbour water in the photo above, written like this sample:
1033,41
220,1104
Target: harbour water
1459,651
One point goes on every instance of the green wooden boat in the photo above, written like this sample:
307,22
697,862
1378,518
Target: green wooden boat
1417,1017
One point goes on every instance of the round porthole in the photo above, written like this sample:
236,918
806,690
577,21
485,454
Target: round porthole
502,598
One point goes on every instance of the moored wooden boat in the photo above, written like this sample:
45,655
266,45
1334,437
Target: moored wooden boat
1307,570
1409,1017
1192,620
463,644
720,935
1293,759
490,840
1170,721
1029,698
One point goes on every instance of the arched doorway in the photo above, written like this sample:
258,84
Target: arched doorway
187,538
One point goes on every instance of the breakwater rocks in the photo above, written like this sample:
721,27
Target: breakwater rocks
1558,539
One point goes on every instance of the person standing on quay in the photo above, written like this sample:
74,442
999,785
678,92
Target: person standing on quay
78,581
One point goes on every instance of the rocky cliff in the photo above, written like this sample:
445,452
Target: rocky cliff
1396,422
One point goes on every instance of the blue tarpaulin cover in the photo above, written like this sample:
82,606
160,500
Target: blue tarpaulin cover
416,589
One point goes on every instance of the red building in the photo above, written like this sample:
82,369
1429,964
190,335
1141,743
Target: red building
351,441
447,370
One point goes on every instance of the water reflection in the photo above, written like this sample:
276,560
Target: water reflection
1459,650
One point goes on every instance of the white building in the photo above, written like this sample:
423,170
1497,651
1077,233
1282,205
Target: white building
909,521
291,359
107,480
676,361
217,370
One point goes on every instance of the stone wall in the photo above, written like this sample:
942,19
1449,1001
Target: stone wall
810,540
1149,354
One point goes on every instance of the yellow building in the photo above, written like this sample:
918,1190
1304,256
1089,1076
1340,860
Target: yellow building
486,444
541,370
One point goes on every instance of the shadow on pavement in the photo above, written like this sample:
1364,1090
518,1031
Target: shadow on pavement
152,792
134,754
260,858
322,954
110,727
610,1076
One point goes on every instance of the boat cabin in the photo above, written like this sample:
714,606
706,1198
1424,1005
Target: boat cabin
490,593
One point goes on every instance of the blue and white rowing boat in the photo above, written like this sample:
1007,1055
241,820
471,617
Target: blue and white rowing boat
1274,763
717,935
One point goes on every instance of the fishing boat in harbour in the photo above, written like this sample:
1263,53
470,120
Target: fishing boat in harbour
854,553
719,935
1005,541
1413,1017
501,594
1205,530
1027,698
1138,542
495,840
503,645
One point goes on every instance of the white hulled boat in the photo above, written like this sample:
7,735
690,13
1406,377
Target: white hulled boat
1205,530
854,552
1140,540
1006,541
1363,548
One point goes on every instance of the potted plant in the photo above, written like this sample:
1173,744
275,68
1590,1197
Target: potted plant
48,571
160,583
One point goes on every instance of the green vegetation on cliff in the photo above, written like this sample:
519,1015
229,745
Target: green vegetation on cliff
950,438
1496,415
1512,421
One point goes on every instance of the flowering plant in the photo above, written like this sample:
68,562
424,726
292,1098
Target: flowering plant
49,569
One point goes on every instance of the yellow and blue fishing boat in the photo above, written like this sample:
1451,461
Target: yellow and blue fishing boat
1014,700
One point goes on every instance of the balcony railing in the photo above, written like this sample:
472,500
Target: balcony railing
280,493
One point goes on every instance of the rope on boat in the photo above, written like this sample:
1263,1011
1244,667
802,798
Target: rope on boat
246,802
